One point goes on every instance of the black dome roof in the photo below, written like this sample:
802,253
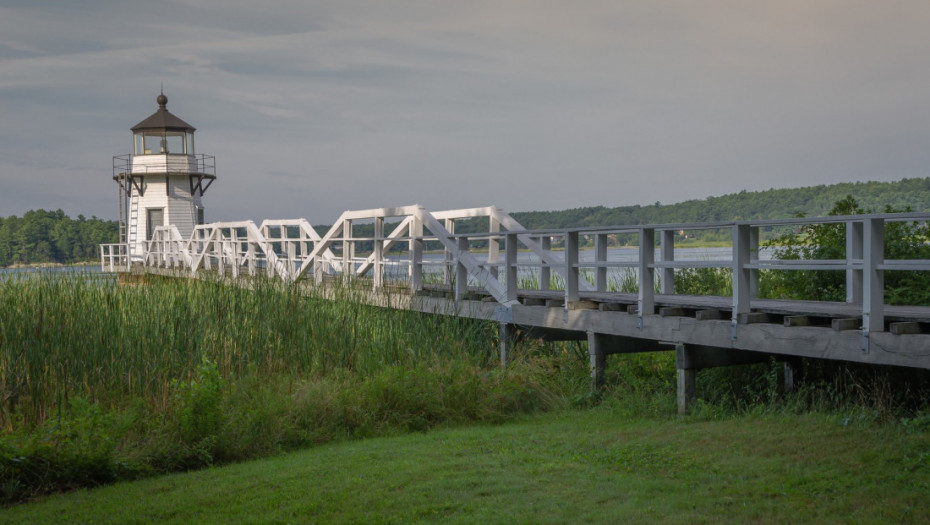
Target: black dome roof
163,119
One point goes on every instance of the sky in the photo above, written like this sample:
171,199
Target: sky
313,107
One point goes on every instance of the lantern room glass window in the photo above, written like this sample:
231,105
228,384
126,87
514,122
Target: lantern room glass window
164,143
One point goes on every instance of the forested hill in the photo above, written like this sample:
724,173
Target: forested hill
769,204
51,236
41,236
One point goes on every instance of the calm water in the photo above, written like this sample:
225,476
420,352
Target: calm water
91,271
397,267
434,262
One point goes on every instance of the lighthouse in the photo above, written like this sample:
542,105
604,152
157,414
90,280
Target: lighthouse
163,180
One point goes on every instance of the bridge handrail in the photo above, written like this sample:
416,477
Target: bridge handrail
500,272
114,257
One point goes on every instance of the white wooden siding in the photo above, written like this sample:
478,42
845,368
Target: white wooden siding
179,205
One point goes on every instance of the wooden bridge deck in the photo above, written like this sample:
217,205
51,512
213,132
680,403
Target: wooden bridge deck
826,330
613,301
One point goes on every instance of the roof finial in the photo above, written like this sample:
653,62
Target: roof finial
162,99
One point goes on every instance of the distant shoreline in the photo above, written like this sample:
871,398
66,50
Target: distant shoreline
47,265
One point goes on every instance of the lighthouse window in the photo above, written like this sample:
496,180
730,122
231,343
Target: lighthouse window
152,144
159,143
174,143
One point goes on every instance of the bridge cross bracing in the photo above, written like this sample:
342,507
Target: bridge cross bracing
564,283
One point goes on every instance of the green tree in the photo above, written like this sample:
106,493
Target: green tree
903,240
51,236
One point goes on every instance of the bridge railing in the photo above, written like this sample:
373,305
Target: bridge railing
415,248
653,267
114,257
382,245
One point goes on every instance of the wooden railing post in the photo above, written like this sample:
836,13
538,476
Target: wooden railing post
494,226
572,273
545,272
416,254
447,272
218,251
854,242
348,250
250,255
510,268
873,289
234,248
291,249
600,257
645,304
667,251
741,280
303,245
207,257
461,272
378,278
266,233
753,257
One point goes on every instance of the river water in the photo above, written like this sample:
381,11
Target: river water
397,266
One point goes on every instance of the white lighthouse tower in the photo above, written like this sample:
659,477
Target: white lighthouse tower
162,181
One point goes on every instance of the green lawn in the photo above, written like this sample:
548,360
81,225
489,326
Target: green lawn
583,466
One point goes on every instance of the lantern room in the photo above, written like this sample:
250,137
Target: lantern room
163,133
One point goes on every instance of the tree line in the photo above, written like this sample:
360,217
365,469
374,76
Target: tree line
41,236
813,201
51,236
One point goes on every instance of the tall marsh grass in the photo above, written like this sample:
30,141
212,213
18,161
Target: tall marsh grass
109,343
101,381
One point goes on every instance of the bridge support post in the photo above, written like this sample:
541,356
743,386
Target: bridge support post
507,337
791,367
598,359
686,377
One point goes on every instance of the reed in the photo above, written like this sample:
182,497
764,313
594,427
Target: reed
102,382
66,337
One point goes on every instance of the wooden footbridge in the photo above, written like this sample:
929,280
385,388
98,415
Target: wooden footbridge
574,284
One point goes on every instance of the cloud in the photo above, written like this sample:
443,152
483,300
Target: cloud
527,105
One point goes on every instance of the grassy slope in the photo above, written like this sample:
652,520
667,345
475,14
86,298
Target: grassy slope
596,465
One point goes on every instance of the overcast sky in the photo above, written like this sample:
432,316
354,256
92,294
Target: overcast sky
314,107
